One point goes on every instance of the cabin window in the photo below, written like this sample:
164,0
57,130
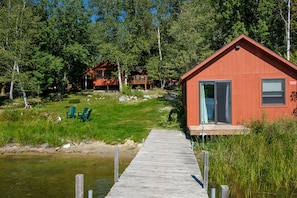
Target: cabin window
273,91
107,74
98,74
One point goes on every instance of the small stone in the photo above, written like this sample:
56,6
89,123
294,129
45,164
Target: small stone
45,145
67,145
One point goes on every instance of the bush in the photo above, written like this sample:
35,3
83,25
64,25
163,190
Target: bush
127,90
74,101
138,92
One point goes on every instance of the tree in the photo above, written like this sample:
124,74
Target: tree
165,12
192,34
18,28
294,31
64,44
125,33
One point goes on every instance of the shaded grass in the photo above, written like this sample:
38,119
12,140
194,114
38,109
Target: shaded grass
111,121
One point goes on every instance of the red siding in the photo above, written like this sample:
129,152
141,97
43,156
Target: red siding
245,68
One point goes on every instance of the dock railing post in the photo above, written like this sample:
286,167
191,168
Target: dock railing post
203,135
79,186
206,164
90,194
213,191
116,164
224,191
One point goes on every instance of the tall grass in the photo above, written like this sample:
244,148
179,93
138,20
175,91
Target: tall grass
111,121
260,164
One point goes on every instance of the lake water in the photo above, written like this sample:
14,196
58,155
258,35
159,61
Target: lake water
51,176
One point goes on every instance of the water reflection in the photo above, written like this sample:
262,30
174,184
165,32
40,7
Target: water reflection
54,175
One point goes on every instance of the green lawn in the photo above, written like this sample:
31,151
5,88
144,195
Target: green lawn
111,121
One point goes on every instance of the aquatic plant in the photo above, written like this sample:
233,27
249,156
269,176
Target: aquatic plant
261,164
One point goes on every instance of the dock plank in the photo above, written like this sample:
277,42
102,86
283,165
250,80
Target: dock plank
165,166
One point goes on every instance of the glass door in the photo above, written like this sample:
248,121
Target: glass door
215,102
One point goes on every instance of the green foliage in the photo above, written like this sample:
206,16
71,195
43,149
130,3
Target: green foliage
128,91
138,92
74,101
53,42
190,33
260,164
18,29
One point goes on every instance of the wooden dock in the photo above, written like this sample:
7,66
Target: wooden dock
165,166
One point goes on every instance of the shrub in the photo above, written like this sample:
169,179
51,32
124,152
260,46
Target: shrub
74,101
127,90
138,92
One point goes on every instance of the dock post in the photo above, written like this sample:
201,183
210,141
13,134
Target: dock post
203,135
224,191
79,186
116,164
90,194
205,178
213,191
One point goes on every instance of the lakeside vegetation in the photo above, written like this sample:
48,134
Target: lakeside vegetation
260,164
111,121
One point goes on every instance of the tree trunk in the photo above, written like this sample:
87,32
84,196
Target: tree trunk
119,77
287,25
11,85
16,66
126,78
161,78
288,31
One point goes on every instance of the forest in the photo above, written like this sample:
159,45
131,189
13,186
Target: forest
47,44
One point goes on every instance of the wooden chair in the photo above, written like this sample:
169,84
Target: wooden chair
85,117
79,114
71,113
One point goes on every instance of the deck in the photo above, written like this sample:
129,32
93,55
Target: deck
164,167
218,129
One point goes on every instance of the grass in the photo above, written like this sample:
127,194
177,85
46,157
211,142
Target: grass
111,121
261,164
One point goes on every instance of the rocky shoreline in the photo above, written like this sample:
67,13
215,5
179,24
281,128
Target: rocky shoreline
127,150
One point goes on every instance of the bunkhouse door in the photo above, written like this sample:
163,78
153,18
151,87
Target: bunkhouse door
215,102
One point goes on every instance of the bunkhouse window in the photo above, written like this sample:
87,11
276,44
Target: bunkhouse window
273,91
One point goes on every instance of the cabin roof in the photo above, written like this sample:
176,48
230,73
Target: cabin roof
232,44
104,64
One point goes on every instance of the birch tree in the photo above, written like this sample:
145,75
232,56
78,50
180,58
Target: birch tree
18,27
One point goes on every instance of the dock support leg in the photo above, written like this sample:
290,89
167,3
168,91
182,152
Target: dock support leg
206,163
224,191
116,164
79,186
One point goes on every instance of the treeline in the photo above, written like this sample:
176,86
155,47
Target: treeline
47,44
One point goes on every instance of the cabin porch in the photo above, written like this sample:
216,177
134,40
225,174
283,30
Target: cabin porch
218,129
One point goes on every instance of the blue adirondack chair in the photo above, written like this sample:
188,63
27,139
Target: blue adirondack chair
79,114
71,113
86,116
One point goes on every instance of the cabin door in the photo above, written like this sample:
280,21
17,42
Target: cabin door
215,102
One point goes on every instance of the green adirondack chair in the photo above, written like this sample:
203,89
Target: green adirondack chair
71,113
79,114
85,117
